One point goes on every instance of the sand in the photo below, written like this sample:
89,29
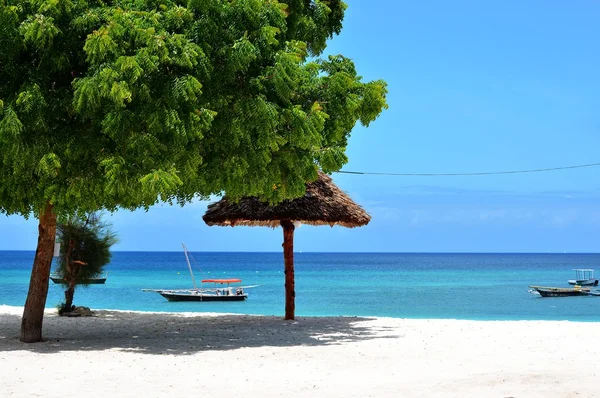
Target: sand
141,354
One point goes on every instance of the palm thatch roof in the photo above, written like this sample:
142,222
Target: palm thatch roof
323,204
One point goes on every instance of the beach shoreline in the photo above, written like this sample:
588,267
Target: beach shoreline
133,353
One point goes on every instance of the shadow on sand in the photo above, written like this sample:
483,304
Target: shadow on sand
182,334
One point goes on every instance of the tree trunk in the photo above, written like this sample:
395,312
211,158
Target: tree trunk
69,293
33,313
71,278
288,256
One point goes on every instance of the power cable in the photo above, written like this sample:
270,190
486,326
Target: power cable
470,174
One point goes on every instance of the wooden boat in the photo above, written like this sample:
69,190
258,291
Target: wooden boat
92,281
222,291
583,277
546,291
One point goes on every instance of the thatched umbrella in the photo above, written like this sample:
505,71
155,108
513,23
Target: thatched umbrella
323,204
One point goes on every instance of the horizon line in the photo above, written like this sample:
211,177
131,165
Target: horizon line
327,252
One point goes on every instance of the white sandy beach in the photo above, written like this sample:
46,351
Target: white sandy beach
134,354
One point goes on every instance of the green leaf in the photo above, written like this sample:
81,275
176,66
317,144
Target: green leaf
10,126
39,31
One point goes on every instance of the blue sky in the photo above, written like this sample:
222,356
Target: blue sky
473,87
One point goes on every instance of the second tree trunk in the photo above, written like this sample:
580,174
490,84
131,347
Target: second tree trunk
288,256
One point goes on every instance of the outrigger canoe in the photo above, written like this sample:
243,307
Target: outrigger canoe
546,291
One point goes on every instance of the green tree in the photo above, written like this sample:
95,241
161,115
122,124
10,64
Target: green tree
85,250
120,104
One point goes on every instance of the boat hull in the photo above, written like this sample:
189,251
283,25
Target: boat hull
584,282
553,293
561,292
202,297
93,281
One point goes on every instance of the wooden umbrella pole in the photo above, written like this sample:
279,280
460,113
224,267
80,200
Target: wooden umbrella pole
288,256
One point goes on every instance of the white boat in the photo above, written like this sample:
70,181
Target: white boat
583,277
223,291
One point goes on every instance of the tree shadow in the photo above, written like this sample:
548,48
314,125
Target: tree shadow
183,334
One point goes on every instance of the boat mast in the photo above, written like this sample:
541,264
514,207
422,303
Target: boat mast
189,265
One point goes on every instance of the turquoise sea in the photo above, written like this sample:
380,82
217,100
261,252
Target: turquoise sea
401,285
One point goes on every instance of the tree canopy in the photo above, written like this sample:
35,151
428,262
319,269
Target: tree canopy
122,103
107,104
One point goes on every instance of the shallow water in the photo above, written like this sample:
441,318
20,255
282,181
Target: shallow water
460,286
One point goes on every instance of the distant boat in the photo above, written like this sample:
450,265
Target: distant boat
546,291
221,292
584,277
91,281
